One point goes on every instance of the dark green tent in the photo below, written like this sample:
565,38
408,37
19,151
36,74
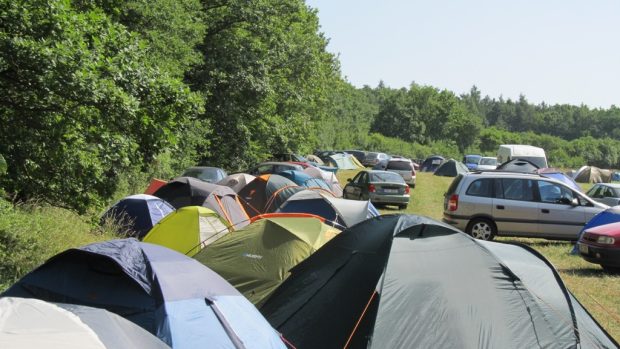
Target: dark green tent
404,281
451,168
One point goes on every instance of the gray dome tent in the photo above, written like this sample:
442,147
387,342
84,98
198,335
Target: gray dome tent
451,168
402,281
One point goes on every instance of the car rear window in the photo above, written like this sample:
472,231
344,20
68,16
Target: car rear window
386,177
399,166
454,184
481,187
371,156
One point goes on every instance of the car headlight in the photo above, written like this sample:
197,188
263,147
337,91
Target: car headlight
607,240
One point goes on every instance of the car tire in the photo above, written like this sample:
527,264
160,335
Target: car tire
482,229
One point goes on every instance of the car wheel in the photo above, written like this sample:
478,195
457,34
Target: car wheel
481,228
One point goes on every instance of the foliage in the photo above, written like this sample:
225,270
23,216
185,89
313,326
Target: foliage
30,234
266,77
82,102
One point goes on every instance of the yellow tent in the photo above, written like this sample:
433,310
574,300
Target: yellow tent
188,230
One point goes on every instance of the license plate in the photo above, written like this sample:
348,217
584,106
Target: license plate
391,191
583,248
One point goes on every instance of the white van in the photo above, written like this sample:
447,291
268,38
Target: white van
535,155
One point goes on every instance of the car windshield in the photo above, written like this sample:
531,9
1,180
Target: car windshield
399,165
488,161
206,174
472,159
386,177
370,156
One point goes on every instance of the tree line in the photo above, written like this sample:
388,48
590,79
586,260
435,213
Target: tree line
97,92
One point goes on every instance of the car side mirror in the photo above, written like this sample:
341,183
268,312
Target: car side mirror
348,179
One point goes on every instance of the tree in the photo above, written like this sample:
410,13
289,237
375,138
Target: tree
81,103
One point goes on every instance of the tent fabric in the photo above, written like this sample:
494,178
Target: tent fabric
401,281
329,177
341,213
188,191
137,214
518,165
31,323
431,163
258,258
154,185
591,174
303,179
266,193
451,168
188,230
558,175
236,181
315,158
345,162
170,295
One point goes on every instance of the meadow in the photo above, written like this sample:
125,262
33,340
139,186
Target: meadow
597,290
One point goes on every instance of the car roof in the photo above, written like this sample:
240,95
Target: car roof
611,185
506,174
202,168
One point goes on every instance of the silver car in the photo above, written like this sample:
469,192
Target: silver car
404,167
487,204
380,187
606,193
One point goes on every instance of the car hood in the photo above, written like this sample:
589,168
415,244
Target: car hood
612,229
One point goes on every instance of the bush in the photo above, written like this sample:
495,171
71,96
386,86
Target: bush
30,234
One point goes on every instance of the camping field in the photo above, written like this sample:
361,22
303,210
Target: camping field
598,291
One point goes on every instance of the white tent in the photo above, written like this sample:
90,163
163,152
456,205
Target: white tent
236,181
31,323
329,177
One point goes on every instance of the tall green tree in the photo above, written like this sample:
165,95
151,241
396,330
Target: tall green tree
82,102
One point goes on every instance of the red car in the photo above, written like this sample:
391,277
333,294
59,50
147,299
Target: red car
601,245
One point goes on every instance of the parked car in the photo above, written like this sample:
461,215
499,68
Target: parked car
606,193
404,167
207,174
380,187
486,204
601,245
471,161
487,163
273,167
284,157
373,159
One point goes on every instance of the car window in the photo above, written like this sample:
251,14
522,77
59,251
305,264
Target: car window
608,193
554,193
454,184
488,161
481,187
386,177
264,169
399,166
594,191
358,179
518,189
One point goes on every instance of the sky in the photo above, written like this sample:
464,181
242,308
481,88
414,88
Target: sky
556,51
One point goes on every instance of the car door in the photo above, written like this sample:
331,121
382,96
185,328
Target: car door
609,197
515,209
560,215
353,189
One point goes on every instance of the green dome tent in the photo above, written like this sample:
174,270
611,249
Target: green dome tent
188,230
258,258
451,168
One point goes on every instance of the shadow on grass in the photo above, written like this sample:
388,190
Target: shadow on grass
533,242
593,272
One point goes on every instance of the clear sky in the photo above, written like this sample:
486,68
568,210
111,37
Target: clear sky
557,51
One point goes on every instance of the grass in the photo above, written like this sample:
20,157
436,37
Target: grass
598,291
30,234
